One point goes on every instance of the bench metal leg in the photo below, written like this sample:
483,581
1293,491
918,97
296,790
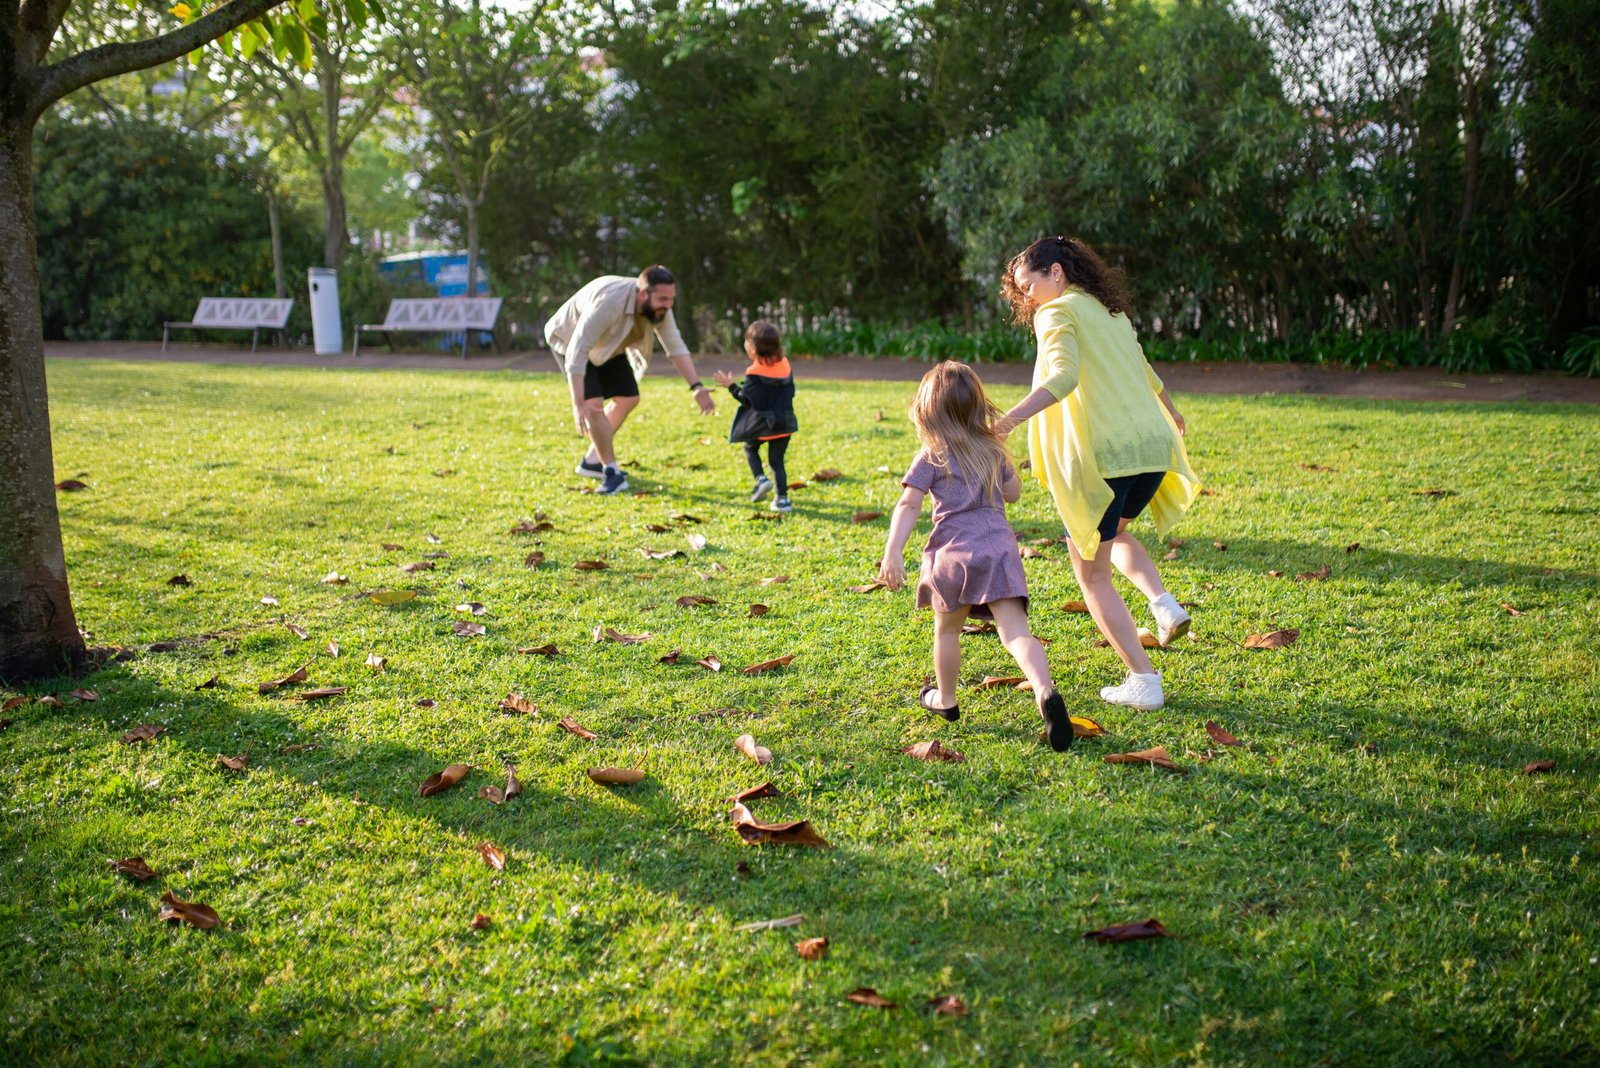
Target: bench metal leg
357,351
255,338
164,332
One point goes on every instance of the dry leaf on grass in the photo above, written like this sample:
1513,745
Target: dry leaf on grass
50,700
333,578
534,559
766,789
695,600
320,694
590,565
376,662
18,702
979,626
84,695
710,663
1148,640
416,566
473,607
1314,576
946,1005
515,702
298,632
865,995
758,610
865,517
685,517
934,751
1219,735
746,744
480,922
269,600
1275,639
1075,606
827,474
754,832
773,581
991,682
572,726
179,580
134,868
332,649
1535,767
434,539
1511,610
657,528
190,912
492,794
427,702
670,658
758,516
525,527
868,587
611,634
142,733
390,598
1156,758
1170,554
661,554
771,925
71,485
768,665
1433,493
616,776
443,780
1028,552
236,763
1084,727
492,855
811,948
464,629
390,547
1129,932
513,784
540,650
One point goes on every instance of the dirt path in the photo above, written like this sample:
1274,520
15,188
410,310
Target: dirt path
1247,378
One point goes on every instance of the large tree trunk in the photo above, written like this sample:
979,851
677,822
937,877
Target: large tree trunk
472,248
38,633
336,231
274,222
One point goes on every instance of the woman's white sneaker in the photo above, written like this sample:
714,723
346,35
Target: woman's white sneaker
1172,622
1137,691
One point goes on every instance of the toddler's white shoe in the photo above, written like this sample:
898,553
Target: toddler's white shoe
1137,691
1172,622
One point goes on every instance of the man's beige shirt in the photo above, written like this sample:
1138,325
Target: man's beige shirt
600,321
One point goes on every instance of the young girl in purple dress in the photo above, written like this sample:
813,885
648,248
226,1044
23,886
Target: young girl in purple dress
971,566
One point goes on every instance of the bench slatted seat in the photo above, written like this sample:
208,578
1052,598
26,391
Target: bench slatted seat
235,313
468,315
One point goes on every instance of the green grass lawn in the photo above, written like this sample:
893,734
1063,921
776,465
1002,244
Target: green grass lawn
1371,879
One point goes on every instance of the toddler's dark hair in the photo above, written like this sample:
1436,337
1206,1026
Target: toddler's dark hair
766,340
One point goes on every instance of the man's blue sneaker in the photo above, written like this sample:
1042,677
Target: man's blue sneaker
615,482
591,470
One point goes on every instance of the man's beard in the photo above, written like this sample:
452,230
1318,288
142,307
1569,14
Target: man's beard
654,314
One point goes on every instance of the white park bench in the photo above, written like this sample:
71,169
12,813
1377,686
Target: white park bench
463,315
254,314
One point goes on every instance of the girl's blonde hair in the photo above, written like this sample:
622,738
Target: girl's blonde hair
764,338
955,422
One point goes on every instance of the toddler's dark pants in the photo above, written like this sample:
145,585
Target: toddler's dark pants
775,450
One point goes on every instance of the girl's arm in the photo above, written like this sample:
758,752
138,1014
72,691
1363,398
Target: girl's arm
892,571
1011,486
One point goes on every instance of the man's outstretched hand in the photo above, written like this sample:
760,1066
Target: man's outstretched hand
702,397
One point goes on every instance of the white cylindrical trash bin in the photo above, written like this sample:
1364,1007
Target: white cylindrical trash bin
327,337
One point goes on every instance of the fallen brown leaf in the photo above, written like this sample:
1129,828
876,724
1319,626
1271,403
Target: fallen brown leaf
746,744
947,1005
236,763
1156,757
1274,574
480,922
657,528
513,784
18,702
1276,639
710,663
135,868
1314,576
694,600
416,566
811,948
179,580
661,554
685,517
590,565
464,629
865,995
934,751
534,559
868,587
1510,609
434,539
71,485
298,632
768,665
768,516
390,598
1084,727
827,474
1028,552
332,649
333,578
376,662
1075,606
979,626
766,789
390,547
443,780
771,925
670,658
1129,932
515,702
753,832
84,695
865,517
190,912
773,581
1219,735
1148,640
540,650
427,702
1432,493
1170,554
472,607
611,634
571,726
1352,547
616,776
991,682
492,855
525,527
142,733
1534,767
321,694
758,610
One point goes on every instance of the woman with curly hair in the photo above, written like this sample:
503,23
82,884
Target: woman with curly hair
1104,438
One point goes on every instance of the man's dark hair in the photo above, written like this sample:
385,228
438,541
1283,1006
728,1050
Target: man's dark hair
656,275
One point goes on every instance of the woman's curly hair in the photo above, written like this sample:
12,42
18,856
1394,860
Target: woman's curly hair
1083,268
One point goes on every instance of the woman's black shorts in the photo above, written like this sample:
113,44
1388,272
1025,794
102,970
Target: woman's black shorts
1130,495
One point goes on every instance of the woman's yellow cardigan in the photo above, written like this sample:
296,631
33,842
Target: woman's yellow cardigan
1109,423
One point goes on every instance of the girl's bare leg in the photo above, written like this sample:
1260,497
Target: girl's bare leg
1011,619
1109,610
1129,556
947,653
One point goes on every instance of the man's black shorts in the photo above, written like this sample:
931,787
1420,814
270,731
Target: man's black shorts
614,378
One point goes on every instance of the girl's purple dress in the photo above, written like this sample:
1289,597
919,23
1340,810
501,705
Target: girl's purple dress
971,557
